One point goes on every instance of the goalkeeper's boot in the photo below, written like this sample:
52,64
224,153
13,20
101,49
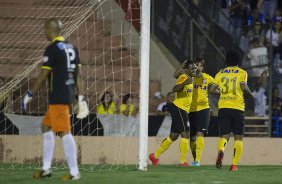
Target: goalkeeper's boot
184,164
219,159
195,163
42,174
233,168
153,159
70,177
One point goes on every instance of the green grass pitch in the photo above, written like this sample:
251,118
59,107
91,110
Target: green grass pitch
163,174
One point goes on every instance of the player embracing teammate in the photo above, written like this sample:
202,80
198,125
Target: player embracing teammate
231,84
179,110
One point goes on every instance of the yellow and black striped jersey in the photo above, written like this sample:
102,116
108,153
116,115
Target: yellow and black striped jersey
183,98
200,99
231,94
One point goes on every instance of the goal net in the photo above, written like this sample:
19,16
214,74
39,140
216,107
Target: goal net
105,33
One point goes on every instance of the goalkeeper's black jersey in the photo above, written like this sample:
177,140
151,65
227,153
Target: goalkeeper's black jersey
62,59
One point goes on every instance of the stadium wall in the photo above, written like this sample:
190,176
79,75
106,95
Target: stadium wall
92,150
160,63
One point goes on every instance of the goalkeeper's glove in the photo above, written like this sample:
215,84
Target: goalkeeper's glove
26,99
83,110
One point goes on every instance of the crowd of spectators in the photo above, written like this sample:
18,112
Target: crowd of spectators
257,26
109,103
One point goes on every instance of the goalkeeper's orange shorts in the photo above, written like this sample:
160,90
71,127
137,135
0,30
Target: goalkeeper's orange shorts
58,118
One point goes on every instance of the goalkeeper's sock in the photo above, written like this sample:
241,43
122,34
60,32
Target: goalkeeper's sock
199,148
221,144
183,146
193,149
48,149
238,149
163,147
70,153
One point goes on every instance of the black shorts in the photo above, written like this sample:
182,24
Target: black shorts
199,122
231,120
179,119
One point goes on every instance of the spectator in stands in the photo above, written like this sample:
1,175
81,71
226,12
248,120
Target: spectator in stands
260,97
277,16
257,33
258,58
273,37
276,111
235,18
128,106
246,11
267,9
107,103
254,17
162,108
239,11
276,102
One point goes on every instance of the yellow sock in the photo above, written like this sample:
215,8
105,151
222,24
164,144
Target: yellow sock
163,147
199,148
221,144
183,146
238,149
193,148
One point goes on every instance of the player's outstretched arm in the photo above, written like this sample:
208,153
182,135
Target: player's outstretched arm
246,90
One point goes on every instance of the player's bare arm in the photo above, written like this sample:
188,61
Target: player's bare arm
247,92
40,80
79,82
214,89
178,72
83,110
179,87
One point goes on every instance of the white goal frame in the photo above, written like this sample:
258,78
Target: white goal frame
144,83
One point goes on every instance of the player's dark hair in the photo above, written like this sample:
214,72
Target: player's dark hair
187,62
126,97
233,58
200,60
103,98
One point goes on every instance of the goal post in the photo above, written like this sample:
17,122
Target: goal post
144,83
112,54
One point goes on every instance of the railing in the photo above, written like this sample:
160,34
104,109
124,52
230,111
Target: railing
257,129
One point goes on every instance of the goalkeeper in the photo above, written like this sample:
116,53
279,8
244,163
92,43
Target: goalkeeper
61,67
